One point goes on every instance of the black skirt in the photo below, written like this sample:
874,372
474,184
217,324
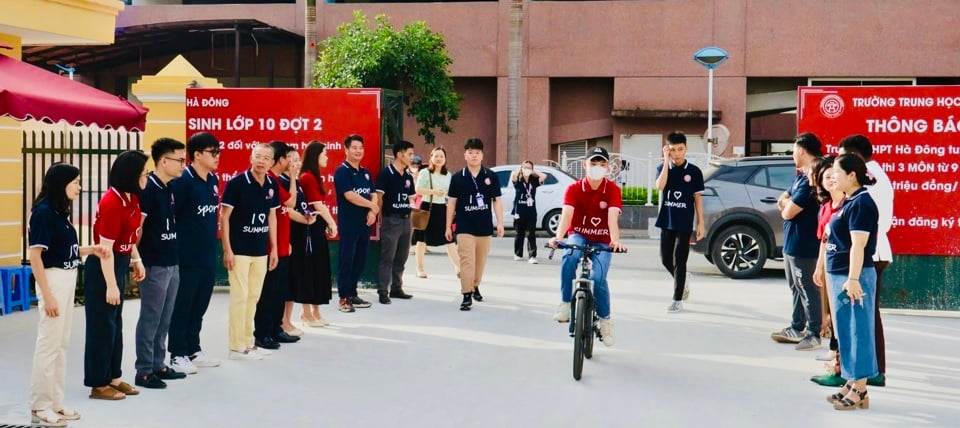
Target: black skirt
311,281
433,236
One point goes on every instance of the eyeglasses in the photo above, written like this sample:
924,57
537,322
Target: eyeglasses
214,152
181,160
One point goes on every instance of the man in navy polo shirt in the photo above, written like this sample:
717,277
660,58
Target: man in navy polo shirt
800,210
197,197
681,185
249,237
357,210
474,190
159,250
396,191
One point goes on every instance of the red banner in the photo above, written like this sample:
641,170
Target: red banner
242,118
914,131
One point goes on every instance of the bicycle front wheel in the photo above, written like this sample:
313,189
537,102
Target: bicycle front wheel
580,332
590,331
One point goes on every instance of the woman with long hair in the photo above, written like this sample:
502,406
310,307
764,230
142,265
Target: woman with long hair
115,229
54,258
822,179
433,184
852,281
311,277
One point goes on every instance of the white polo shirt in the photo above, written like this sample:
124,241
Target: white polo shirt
882,194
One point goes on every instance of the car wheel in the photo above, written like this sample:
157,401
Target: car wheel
551,222
739,252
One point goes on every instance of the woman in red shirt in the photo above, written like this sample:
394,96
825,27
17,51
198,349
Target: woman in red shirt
115,229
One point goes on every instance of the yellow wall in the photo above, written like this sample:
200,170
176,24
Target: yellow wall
12,41
11,186
62,22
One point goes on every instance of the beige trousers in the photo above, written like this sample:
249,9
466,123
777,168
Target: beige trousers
53,337
246,283
473,251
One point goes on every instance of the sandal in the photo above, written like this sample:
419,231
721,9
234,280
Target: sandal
47,418
106,393
125,388
839,396
846,403
68,414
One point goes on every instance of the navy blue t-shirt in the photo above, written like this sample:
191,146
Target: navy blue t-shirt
525,196
56,235
800,232
475,197
858,213
197,200
301,206
676,200
397,191
251,203
352,218
158,242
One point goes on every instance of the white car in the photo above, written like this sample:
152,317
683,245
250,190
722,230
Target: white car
549,195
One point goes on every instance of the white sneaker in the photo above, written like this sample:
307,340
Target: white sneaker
533,260
517,258
202,360
675,307
607,335
686,287
563,312
261,351
246,354
183,365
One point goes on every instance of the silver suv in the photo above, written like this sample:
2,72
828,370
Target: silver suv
744,227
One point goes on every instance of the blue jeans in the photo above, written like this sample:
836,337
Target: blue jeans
601,265
855,326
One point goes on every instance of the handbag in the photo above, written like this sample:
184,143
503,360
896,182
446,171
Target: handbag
421,217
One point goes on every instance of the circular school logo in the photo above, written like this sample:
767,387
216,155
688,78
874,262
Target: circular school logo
367,176
216,192
487,181
831,106
406,184
269,193
687,178
603,205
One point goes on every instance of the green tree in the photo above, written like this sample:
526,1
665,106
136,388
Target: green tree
413,60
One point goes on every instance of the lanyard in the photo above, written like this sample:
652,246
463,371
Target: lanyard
475,185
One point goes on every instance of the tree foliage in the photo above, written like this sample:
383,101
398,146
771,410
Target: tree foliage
413,60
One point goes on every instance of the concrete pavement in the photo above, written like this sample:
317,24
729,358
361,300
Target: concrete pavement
505,363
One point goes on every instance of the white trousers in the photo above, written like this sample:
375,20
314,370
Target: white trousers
53,337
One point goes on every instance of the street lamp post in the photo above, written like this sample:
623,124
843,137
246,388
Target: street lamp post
710,57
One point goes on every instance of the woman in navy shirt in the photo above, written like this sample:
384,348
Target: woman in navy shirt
54,258
525,181
115,229
311,277
851,242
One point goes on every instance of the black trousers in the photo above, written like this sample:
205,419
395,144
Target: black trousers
193,298
103,352
266,322
674,250
526,226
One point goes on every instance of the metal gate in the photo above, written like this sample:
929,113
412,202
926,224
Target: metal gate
90,149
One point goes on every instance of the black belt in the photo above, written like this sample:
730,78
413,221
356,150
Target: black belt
397,215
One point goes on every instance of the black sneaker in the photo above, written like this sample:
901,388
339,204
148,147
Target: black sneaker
384,298
283,337
467,302
399,294
359,303
169,374
150,381
267,343
476,295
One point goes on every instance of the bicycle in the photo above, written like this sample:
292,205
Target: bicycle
583,326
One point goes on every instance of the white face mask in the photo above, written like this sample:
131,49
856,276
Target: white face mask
526,172
597,172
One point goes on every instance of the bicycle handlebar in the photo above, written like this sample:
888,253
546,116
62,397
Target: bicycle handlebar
590,248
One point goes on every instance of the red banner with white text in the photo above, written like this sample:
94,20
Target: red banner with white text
242,118
914,131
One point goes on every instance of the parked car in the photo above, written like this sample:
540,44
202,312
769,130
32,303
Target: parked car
744,227
549,195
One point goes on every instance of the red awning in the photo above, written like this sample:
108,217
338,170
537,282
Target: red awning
32,92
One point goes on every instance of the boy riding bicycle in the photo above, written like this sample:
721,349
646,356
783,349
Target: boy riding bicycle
591,212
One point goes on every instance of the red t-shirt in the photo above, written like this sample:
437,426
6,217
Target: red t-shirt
826,213
118,220
590,207
283,218
311,189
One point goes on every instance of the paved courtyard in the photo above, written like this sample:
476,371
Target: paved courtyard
424,363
